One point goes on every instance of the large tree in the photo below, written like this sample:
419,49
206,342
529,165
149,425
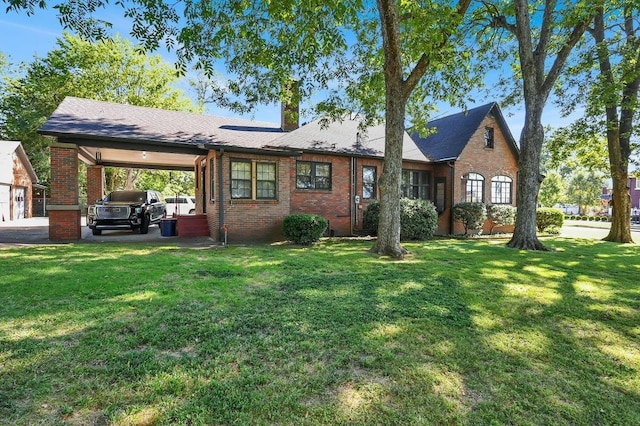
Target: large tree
606,83
110,70
545,33
365,57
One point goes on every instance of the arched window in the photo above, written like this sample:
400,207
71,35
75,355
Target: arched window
501,187
474,191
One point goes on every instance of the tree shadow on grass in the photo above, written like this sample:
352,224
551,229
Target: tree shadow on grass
460,332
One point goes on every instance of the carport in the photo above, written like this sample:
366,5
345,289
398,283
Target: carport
103,135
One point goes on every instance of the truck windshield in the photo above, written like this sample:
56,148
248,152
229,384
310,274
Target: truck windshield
127,196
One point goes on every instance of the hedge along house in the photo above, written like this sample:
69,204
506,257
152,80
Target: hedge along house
250,175
17,180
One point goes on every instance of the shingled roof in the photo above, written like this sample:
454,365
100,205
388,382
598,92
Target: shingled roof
345,138
78,118
452,133
7,150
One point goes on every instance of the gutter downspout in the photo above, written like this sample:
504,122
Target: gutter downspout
220,197
451,165
354,192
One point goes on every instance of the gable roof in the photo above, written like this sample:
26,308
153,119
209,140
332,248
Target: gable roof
7,149
88,119
345,138
452,133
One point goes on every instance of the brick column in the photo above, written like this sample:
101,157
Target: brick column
64,208
95,184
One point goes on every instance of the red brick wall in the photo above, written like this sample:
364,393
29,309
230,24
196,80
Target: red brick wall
489,162
64,174
64,211
95,183
64,225
249,220
334,204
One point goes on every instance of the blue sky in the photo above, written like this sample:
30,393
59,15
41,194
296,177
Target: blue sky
22,37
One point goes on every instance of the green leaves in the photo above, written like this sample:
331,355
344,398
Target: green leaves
109,70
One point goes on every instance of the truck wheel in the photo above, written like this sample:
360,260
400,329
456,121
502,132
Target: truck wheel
96,231
144,226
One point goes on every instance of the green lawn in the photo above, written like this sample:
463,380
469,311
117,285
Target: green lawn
461,332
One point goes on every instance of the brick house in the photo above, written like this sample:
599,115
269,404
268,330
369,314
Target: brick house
250,175
634,192
17,180
633,184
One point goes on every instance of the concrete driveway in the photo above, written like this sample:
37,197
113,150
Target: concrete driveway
36,231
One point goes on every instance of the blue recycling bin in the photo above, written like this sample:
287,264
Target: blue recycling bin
168,227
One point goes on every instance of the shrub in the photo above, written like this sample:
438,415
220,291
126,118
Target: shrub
552,230
501,215
371,217
546,217
418,219
472,215
304,228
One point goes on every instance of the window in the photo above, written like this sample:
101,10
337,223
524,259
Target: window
440,194
488,137
415,184
253,179
369,180
474,188
240,179
265,180
501,190
312,175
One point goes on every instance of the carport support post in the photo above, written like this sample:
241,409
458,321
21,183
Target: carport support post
95,183
64,208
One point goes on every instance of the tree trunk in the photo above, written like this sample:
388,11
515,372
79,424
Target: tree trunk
619,128
531,140
388,242
620,231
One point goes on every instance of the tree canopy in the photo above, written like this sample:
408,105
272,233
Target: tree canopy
386,60
541,36
604,82
110,70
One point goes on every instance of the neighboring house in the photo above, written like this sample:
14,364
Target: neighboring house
634,192
250,175
17,179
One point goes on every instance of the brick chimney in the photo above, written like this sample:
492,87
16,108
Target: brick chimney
290,107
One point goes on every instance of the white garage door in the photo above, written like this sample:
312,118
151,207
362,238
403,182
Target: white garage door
5,197
19,205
